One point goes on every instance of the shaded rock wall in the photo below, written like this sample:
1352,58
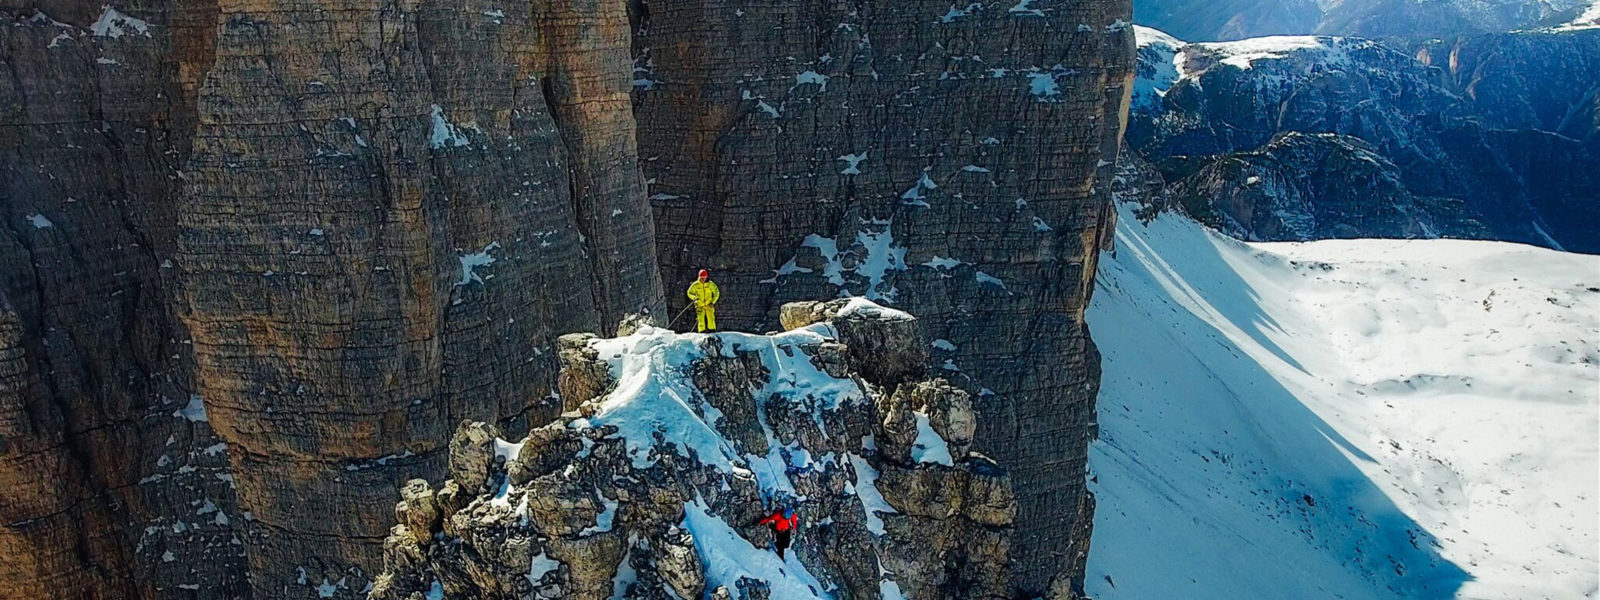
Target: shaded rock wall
115,485
942,159
392,211
330,229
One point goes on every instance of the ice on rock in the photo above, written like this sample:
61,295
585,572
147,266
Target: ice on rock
476,260
811,77
727,557
651,395
866,490
114,24
539,566
1024,8
853,163
929,447
195,410
444,133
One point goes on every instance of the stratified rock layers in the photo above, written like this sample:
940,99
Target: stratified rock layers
333,230
110,486
380,238
941,158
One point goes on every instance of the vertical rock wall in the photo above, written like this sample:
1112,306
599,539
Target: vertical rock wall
942,159
383,232
114,484
329,229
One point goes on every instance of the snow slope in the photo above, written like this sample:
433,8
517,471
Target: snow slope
1588,19
1344,419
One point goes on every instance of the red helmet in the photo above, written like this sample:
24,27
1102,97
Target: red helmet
704,273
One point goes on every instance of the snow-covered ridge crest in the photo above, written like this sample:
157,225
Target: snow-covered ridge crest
673,446
1586,20
1164,60
1355,418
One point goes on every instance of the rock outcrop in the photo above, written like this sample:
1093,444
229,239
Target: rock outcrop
651,488
951,161
1302,187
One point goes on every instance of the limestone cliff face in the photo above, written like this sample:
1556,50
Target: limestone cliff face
836,417
391,212
112,484
1495,129
945,159
332,230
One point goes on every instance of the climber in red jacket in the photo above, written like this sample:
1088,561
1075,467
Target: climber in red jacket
783,523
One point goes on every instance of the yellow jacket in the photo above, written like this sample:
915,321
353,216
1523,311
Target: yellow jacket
704,293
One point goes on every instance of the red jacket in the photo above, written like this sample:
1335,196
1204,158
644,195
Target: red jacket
780,522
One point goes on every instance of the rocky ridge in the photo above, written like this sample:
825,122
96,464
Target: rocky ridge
1303,187
1486,136
675,444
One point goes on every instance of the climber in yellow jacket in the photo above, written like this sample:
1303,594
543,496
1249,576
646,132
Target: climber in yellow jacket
704,294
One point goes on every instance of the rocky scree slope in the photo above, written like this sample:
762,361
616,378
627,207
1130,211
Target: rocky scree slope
1487,137
676,444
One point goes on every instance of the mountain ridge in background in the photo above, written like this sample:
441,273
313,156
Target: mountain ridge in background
1306,137
1231,20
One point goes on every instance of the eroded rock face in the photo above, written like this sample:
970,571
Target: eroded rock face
114,485
593,506
333,230
948,160
390,216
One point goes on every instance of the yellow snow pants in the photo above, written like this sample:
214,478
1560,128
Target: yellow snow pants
707,317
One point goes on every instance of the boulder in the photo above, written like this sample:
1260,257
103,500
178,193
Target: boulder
472,453
418,511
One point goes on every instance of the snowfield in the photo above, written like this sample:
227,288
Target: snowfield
1344,419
